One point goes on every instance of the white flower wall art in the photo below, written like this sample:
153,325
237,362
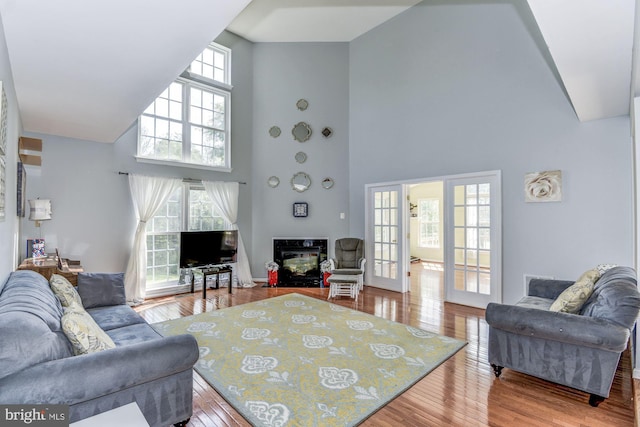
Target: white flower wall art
543,186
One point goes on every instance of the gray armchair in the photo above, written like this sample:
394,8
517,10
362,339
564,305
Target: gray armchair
580,350
349,258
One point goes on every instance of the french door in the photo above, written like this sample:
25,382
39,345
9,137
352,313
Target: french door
385,244
473,239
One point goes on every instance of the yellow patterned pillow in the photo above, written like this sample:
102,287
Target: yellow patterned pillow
64,290
572,298
83,332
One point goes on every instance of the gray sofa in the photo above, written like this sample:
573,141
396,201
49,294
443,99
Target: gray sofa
38,366
577,350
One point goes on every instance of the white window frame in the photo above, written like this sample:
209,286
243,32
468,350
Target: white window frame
173,285
188,80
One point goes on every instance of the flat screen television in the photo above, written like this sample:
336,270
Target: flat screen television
200,248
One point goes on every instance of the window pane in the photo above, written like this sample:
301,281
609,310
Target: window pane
163,134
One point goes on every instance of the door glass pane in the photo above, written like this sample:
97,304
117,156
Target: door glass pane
393,237
459,280
459,217
484,239
459,237
485,284
472,238
472,281
393,216
458,195
484,194
393,196
459,256
472,195
472,258
472,216
484,216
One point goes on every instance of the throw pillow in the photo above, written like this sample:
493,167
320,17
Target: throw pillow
83,332
100,289
64,290
602,268
572,298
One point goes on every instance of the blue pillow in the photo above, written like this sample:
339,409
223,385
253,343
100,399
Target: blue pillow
101,289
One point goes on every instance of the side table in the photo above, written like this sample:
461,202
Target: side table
49,265
210,271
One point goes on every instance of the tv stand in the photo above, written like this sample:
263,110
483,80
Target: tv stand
210,270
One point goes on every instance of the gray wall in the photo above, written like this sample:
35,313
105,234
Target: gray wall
93,218
284,73
453,88
441,89
10,226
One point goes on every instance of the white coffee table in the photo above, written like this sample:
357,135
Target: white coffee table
124,416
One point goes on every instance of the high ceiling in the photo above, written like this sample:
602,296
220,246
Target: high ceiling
87,69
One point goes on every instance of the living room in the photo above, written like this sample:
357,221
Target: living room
441,89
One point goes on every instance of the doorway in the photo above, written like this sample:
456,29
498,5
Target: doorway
452,221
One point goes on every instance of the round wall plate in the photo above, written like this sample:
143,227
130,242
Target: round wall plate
300,157
274,131
302,104
301,132
273,181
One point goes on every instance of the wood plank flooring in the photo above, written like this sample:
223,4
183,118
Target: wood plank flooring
461,392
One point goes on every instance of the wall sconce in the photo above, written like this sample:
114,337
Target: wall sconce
39,210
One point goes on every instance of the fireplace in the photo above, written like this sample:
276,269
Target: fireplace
299,261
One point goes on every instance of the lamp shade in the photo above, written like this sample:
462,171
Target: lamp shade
39,209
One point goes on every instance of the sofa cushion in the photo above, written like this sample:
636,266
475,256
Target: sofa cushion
27,340
133,334
101,289
115,316
83,332
28,291
572,298
615,297
64,290
29,323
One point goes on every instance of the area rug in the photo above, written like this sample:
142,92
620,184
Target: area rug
294,360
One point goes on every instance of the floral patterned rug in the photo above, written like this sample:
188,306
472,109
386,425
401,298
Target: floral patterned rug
294,360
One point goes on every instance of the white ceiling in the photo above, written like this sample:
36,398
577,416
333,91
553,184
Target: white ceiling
314,20
87,69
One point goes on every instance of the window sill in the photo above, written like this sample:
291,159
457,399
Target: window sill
182,164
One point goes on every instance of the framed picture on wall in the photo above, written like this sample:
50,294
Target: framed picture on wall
300,209
21,190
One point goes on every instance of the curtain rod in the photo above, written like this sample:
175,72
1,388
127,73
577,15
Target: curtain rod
183,179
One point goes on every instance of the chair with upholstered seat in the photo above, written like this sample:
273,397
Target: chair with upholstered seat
349,258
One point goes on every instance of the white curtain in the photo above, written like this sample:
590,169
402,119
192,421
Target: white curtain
225,198
148,194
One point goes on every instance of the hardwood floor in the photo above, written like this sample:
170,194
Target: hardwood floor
461,392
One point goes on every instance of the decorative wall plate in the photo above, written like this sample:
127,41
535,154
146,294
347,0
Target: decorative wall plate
300,209
327,183
302,104
274,131
301,132
301,157
327,132
300,182
273,181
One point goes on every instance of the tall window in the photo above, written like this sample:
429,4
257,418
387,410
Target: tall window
190,121
429,216
188,208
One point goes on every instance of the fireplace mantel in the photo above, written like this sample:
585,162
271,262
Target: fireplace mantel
299,260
